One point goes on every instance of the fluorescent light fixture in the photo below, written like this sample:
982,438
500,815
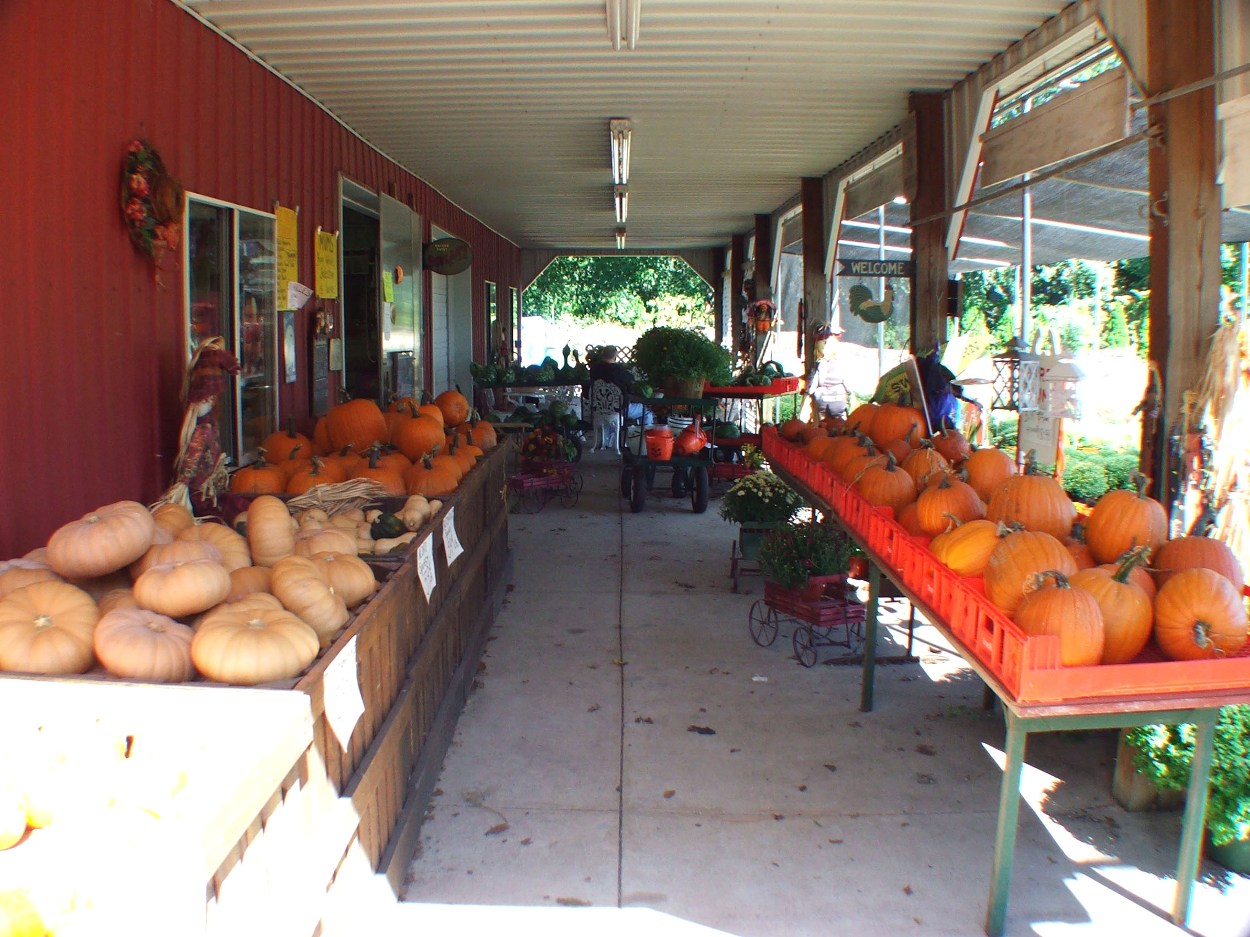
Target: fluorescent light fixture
893,228
620,239
619,131
898,250
620,196
624,21
986,242
984,260
900,200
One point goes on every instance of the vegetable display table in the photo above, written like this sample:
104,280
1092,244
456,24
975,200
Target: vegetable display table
1169,702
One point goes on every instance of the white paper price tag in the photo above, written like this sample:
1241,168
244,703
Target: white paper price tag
341,687
425,567
451,542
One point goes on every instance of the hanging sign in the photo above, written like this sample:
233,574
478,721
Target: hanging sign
451,541
326,261
877,268
287,245
447,256
341,691
425,567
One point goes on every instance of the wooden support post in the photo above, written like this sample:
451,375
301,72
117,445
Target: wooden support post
737,257
762,281
928,240
815,286
719,312
1185,219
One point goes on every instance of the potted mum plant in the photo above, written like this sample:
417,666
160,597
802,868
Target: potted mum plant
806,558
758,503
680,360
1165,754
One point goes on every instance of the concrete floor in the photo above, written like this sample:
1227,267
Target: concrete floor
632,762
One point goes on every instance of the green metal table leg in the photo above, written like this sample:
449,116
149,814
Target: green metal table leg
1008,815
870,638
1193,823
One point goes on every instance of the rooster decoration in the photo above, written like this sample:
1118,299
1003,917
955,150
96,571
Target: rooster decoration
861,303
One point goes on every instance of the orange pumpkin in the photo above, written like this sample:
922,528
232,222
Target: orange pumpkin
1198,553
1127,616
885,484
386,476
418,437
484,435
405,405
791,429
1199,616
1034,501
909,519
987,469
393,459
282,445
1053,606
966,547
952,445
317,472
862,417
394,419
356,423
949,501
430,409
321,438
260,478
923,462
433,481
1019,556
820,446
1077,546
844,448
1138,575
1125,519
853,467
895,421
454,407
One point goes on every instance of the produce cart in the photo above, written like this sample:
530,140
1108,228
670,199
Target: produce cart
816,617
539,481
690,474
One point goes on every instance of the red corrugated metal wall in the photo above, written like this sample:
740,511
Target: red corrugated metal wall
91,345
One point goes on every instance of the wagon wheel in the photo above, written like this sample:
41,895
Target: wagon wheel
804,643
762,622
698,489
733,563
638,494
532,500
569,493
680,486
514,500
650,473
627,483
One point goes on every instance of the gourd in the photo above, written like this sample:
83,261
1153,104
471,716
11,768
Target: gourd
348,575
233,547
418,437
248,581
1199,615
1125,519
1198,552
270,530
250,645
101,542
46,628
1071,614
966,547
454,407
886,485
1019,556
949,498
1127,615
356,423
182,588
415,512
330,540
14,574
1034,501
139,644
390,544
299,586
987,469
387,525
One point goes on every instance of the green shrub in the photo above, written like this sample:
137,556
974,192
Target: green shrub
1084,477
1119,466
1004,430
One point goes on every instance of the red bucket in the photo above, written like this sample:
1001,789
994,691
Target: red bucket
659,444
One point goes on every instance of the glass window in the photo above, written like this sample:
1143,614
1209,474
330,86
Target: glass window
230,292
496,337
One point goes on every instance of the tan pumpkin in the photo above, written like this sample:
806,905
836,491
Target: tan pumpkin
1199,616
101,542
46,628
172,517
250,645
1019,556
1125,519
270,530
1197,553
966,547
948,499
987,469
253,602
1127,615
299,586
1053,606
138,644
230,543
952,445
348,575
356,423
248,581
182,588
1034,501
923,462
454,407
14,574
328,540
115,599
177,551
886,485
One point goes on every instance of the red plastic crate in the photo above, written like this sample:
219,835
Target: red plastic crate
784,385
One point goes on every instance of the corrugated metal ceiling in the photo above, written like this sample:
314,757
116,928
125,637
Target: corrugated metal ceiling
503,105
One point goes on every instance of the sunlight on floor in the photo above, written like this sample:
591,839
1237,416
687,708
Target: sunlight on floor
551,922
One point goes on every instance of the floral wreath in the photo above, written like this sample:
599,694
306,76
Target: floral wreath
151,201
762,309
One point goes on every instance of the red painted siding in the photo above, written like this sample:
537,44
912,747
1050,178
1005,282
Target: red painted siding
91,345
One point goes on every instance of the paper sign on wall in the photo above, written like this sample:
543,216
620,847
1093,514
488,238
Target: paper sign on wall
296,295
341,689
451,542
287,246
326,262
388,287
425,567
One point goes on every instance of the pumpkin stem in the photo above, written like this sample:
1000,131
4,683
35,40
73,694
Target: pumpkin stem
1202,638
290,428
1038,581
1140,482
1130,560
1006,530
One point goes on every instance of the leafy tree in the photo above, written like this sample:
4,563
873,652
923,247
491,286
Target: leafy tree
1055,285
629,290
988,298
1115,329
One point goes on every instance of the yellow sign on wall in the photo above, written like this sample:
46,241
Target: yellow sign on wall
326,261
288,251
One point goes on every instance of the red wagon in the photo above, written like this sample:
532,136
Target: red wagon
816,617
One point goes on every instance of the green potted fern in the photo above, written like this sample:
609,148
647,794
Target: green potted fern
681,360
